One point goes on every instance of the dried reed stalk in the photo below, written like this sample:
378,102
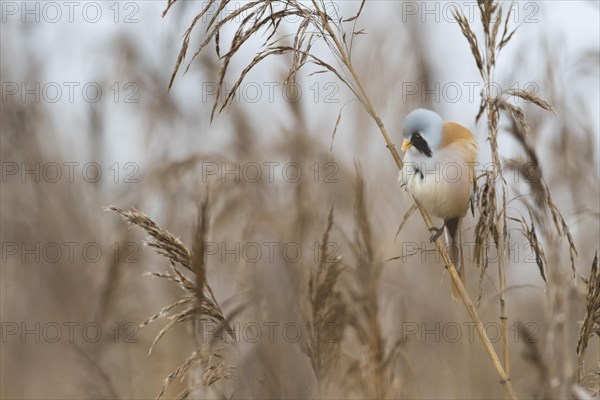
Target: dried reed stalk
492,225
496,220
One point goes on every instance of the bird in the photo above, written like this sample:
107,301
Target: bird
439,172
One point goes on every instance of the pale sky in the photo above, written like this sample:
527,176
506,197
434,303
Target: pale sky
80,51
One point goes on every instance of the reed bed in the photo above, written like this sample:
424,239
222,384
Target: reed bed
362,309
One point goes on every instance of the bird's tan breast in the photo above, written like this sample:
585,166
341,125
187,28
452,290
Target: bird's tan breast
454,134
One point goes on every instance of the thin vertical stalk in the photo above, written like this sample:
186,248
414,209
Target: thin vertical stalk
464,296
492,117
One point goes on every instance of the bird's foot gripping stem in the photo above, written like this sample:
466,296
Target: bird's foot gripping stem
437,232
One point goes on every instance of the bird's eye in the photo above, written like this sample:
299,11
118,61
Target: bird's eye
417,135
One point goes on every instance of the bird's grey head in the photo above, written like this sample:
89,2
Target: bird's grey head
423,131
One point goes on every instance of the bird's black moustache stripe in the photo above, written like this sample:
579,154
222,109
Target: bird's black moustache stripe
420,144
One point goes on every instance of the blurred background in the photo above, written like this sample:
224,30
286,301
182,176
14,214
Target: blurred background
87,122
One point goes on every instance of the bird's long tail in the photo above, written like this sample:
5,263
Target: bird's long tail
453,240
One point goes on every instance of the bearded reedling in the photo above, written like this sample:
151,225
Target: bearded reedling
439,171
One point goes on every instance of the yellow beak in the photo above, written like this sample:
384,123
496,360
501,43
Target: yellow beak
406,144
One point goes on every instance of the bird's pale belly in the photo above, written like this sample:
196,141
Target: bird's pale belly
441,197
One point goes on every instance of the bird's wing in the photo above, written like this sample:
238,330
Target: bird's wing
457,135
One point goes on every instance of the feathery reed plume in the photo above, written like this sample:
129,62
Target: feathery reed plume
198,299
368,274
378,373
591,323
529,233
486,227
328,311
